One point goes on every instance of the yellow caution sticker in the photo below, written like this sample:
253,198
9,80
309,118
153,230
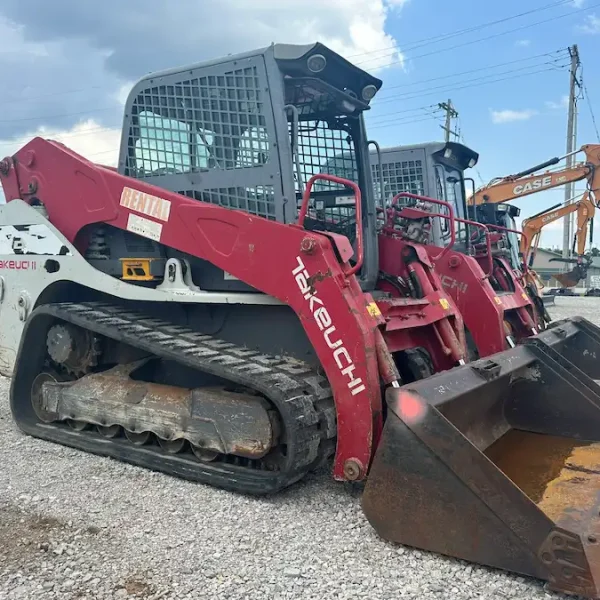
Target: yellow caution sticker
497,300
445,304
373,309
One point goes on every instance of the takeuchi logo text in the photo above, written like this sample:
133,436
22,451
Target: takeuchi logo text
342,357
18,265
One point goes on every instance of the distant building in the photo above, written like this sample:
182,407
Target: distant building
546,269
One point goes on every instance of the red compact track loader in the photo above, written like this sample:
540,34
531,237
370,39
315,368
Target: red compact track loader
477,271
221,309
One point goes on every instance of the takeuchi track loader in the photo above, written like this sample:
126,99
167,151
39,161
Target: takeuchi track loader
221,309
476,272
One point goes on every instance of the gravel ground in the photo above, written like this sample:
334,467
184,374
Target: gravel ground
77,526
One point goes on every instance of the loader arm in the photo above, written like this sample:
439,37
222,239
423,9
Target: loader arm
309,271
523,184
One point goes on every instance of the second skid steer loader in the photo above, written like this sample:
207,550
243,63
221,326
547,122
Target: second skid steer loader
480,272
222,310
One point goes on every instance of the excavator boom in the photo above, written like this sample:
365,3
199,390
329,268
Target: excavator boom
522,184
533,226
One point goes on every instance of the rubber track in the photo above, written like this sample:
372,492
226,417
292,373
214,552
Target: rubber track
302,397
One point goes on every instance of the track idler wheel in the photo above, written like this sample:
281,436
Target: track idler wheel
37,398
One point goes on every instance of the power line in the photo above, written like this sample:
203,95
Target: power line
69,135
462,86
586,95
445,36
387,125
564,54
424,109
487,38
481,78
73,114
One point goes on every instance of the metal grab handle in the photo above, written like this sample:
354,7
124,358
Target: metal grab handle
450,216
488,242
295,127
380,169
358,204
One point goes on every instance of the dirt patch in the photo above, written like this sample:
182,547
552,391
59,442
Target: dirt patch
138,587
22,535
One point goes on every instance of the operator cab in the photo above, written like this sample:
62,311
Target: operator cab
434,169
504,215
248,131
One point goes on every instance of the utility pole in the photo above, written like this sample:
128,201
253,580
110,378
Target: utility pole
451,113
571,137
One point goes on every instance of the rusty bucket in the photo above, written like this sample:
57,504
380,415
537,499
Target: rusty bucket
498,462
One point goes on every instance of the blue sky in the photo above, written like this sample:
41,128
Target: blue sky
513,124
67,67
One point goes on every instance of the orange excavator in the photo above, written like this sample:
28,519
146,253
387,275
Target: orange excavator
530,181
532,228
486,201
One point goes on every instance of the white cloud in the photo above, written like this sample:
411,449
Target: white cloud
523,43
509,116
353,28
88,138
94,142
592,25
562,103
578,3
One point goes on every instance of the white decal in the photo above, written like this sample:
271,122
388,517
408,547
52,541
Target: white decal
30,239
342,357
153,206
532,186
145,227
550,217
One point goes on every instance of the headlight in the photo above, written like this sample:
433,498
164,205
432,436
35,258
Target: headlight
369,92
316,63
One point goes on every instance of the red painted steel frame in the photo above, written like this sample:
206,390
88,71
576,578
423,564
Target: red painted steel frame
358,205
298,267
449,216
520,233
483,309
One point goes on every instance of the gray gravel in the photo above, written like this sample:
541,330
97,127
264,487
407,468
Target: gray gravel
77,526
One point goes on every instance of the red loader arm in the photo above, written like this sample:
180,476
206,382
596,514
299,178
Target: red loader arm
298,267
